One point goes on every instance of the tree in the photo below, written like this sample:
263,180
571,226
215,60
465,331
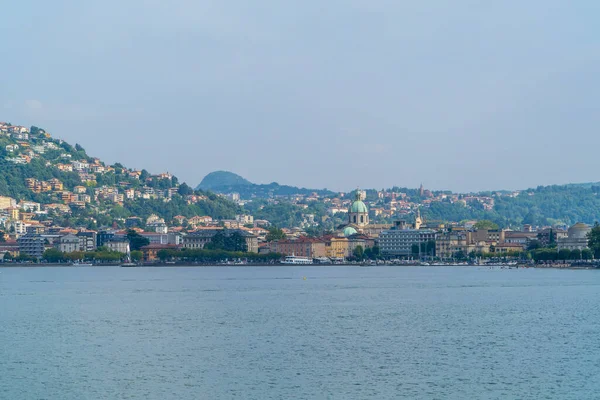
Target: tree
375,252
163,255
414,249
275,234
136,255
136,241
534,244
575,254
486,224
53,255
586,254
552,239
594,240
144,175
460,255
564,254
185,190
358,253
228,242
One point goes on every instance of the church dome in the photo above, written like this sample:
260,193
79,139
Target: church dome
358,207
349,231
579,231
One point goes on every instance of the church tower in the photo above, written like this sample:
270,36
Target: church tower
418,219
358,213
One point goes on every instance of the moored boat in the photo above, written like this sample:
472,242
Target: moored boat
295,260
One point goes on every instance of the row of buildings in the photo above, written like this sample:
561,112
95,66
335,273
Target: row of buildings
393,241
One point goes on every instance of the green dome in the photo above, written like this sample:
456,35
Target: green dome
358,207
349,231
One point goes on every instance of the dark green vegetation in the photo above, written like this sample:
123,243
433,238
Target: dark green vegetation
210,256
545,205
233,242
100,255
594,240
136,241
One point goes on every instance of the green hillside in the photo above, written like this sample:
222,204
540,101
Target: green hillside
38,157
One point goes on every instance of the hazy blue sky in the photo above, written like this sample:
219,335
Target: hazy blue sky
457,94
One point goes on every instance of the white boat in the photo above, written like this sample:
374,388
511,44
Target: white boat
78,264
129,264
294,260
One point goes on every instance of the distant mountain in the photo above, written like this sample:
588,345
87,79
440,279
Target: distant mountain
219,180
228,182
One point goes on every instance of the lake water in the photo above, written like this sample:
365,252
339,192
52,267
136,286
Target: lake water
299,333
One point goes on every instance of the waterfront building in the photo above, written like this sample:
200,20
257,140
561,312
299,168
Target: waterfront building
162,238
521,238
198,239
301,247
103,237
336,246
551,235
150,252
399,241
452,243
10,247
485,235
67,244
118,245
576,238
87,240
31,244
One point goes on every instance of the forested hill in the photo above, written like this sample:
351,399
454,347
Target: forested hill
228,182
544,205
37,167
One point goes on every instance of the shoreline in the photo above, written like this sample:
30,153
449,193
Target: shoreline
162,265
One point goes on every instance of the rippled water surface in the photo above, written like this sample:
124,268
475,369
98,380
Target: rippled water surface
269,333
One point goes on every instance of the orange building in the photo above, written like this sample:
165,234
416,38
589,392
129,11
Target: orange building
301,247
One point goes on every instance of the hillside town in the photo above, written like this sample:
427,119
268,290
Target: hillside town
330,228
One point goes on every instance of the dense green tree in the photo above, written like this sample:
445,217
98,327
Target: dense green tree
275,234
486,224
415,249
136,255
136,241
594,240
575,254
227,241
163,255
564,254
53,255
358,253
185,190
372,253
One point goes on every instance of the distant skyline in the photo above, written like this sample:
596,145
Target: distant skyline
458,95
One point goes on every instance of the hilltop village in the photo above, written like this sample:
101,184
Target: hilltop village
60,204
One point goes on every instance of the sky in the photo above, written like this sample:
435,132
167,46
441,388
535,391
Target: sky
464,95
